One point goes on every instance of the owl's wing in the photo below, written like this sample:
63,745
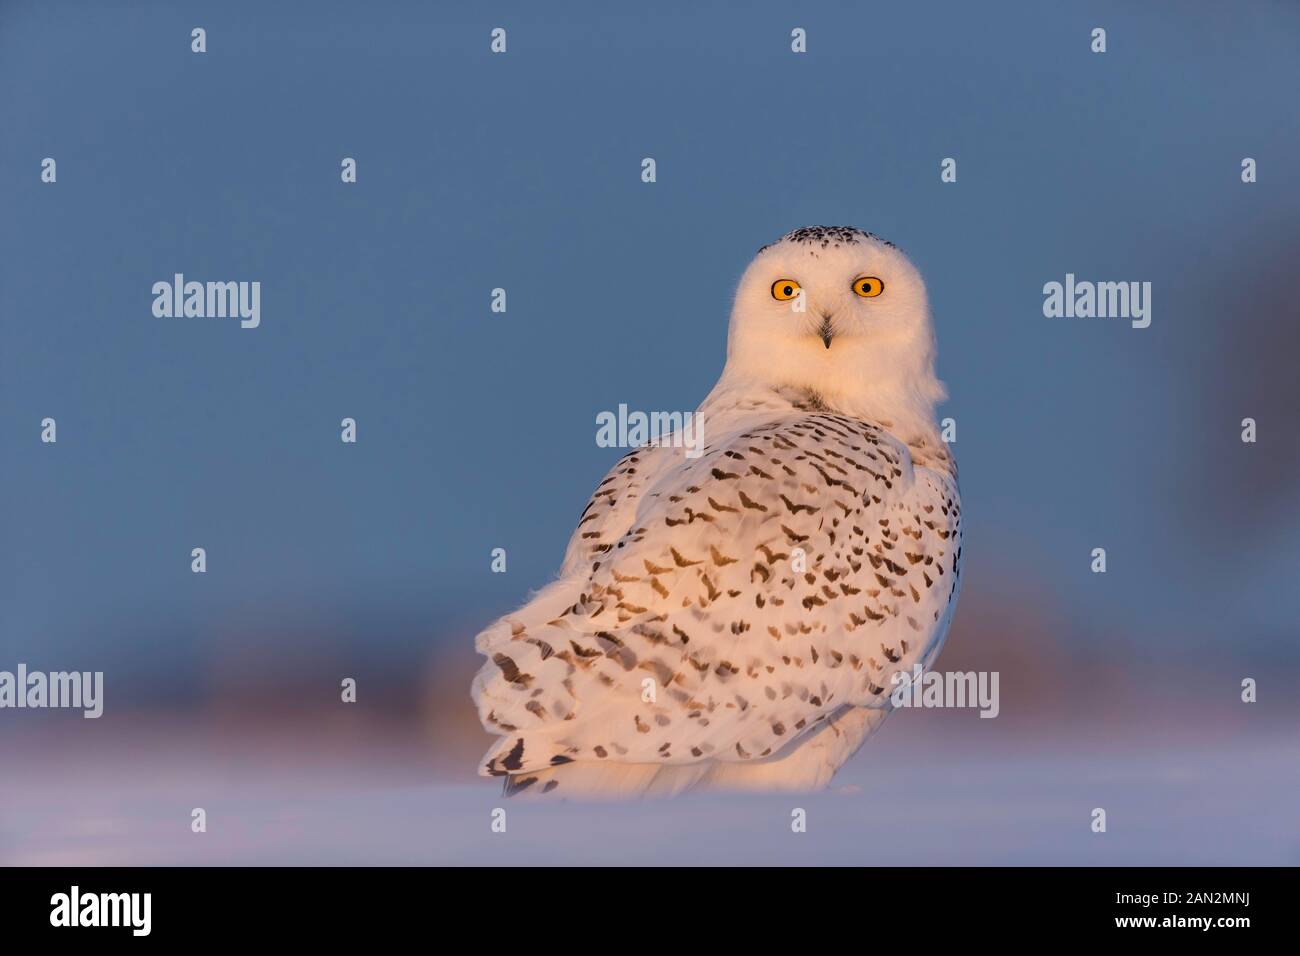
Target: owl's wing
614,505
789,572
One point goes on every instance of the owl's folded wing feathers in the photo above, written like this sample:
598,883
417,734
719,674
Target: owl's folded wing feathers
720,608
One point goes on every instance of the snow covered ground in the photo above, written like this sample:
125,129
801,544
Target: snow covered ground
908,798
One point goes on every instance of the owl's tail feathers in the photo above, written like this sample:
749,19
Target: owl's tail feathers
587,780
806,767
529,657
809,766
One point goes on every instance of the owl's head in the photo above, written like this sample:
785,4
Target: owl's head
841,313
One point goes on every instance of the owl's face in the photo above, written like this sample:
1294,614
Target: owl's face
822,288
834,310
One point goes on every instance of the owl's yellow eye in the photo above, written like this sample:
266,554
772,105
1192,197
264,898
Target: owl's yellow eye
868,287
784,289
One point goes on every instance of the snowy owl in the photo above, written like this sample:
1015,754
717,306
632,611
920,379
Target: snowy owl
734,620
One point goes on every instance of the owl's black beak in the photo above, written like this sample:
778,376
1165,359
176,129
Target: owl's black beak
826,332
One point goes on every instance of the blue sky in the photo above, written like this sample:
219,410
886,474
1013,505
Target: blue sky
476,430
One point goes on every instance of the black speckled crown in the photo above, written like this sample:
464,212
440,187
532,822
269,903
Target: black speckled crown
828,237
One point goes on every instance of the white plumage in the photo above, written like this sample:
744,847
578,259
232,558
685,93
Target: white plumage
734,620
